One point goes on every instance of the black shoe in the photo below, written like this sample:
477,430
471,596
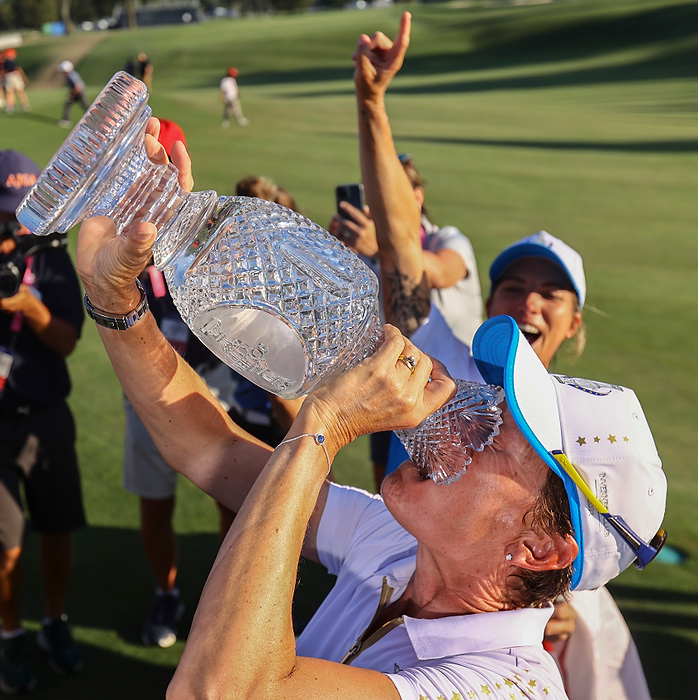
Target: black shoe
64,655
160,627
17,673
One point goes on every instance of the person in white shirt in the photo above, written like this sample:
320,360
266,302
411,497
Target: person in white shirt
443,590
230,97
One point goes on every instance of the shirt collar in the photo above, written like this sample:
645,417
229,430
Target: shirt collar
466,634
475,633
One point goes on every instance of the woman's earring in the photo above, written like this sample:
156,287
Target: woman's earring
508,557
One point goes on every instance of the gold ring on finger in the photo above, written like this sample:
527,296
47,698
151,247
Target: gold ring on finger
409,362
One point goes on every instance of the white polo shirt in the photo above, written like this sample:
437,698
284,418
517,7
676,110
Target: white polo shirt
485,655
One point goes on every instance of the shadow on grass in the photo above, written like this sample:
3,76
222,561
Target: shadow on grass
668,66
500,42
673,146
497,41
668,657
660,31
669,146
111,591
32,116
106,676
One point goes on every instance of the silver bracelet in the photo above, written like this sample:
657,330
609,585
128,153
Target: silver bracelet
121,322
319,440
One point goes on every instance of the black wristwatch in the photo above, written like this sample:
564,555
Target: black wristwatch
118,323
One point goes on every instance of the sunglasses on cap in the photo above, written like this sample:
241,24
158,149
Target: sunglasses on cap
644,552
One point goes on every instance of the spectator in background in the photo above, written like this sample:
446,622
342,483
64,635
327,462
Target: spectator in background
14,82
449,262
284,198
146,473
451,276
145,70
130,67
540,282
41,319
230,97
2,79
76,91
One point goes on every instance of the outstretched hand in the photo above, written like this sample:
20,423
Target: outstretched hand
107,263
377,59
382,392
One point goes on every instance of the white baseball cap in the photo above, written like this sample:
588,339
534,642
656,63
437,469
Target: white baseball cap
590,429
543,245
65,67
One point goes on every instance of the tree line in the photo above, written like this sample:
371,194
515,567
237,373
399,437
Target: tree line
34,14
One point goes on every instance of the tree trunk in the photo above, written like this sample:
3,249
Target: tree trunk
131,13
65,17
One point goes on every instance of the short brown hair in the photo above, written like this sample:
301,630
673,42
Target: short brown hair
257,186
550,513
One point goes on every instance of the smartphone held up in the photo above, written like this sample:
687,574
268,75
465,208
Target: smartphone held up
352,193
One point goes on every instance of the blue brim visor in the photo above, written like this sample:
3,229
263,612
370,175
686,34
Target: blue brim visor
505,358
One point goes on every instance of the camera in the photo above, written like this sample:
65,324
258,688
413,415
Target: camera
10,274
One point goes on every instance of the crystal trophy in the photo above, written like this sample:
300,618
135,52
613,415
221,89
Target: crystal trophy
441,445
269,292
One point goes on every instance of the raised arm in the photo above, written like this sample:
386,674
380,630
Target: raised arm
190,428
389,194
241,644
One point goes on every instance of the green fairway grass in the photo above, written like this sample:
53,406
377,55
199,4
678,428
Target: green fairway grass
577,116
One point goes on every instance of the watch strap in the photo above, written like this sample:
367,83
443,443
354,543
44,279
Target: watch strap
121,322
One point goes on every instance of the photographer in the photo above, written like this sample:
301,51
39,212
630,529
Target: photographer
40,321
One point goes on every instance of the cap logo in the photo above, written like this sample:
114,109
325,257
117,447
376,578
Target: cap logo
20,180
588,386
602,495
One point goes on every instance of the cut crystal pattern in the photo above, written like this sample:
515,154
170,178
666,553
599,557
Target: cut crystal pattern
441,445
269,292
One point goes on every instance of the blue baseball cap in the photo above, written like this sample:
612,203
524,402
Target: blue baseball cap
18,174
543,245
